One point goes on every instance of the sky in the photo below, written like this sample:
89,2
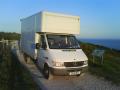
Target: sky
99,18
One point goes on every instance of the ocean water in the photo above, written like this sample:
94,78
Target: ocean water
111,43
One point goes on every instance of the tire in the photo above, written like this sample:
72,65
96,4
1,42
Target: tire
47,73
36,61
29,60
25,57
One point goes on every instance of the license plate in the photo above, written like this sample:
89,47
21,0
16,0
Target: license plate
74,73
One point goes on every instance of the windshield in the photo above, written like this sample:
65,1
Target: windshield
62,42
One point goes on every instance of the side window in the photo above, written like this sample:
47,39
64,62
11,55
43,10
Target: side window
43,43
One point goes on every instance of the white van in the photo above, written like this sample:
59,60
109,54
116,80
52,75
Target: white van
49,38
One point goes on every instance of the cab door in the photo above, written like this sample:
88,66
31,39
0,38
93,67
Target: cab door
42,52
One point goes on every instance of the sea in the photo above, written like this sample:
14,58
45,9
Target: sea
110,43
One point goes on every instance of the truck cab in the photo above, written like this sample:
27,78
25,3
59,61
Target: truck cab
60,54
49,38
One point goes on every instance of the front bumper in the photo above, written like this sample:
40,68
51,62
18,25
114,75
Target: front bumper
66,71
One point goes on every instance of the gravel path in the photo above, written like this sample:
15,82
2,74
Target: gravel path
85,82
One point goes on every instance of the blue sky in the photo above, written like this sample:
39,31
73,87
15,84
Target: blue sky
99,18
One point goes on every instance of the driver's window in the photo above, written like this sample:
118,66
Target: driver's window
43,43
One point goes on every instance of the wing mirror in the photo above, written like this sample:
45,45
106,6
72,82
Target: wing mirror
37,45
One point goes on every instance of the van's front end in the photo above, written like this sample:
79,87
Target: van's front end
64,55
68,62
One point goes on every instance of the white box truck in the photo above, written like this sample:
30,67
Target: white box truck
49,39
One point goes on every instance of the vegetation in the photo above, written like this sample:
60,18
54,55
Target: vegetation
12,75
9,36
110,69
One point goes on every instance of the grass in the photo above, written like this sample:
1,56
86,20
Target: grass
110,69
12,75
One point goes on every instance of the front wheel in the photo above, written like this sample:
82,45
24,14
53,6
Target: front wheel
47,73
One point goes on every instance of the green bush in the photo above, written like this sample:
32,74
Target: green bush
110,69
12,74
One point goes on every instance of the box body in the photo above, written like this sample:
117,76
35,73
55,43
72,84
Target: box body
52,23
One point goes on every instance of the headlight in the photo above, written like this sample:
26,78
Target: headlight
58,64
86,62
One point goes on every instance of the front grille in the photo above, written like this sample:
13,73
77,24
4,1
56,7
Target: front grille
73,64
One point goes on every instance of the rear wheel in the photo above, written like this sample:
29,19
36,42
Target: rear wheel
25,57
29,60
47,73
